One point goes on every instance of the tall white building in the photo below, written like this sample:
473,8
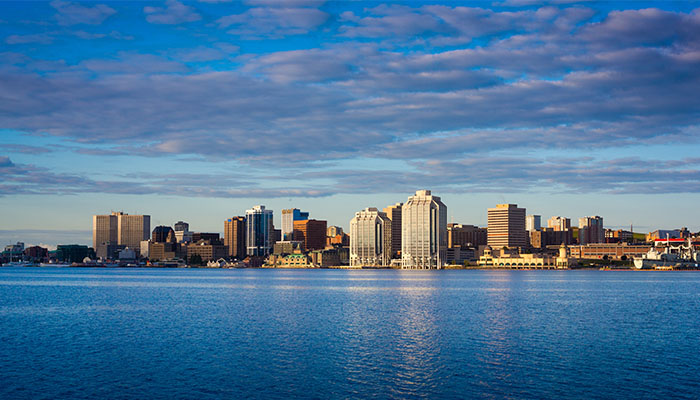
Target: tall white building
423,232
370,238
258,224
559,223
533,223
590,230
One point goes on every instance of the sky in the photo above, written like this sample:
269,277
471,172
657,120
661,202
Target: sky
197,111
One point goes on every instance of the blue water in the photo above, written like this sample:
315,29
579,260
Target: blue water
144,333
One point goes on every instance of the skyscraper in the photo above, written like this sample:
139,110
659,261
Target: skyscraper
288,217
234,237
533,222
506,226
311,233
423,231
559,223
394,215
591,230
119,229
104,230
162,234
370,238
258,222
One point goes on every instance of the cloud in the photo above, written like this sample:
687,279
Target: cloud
42,38
273,21
173,13
70,13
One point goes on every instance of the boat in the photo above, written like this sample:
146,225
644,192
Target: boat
677,255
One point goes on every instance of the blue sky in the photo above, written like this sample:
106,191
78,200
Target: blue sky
200,110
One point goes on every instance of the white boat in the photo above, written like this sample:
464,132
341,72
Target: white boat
680,256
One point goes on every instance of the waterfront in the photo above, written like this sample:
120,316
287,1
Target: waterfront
194,333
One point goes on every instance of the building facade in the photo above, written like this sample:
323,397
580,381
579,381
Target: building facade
590,230
423,232
288,217
311,233
370,238
394,215
258,232
119,230
465,236
506,226
559,223
234,237
533,223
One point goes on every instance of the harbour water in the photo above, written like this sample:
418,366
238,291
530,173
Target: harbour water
195,333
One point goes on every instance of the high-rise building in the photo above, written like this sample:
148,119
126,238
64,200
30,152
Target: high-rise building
182,232
394,215
423,231
559,223
258,232
288,217
334,231
590,230
370,238
234,237
312,234
506,226
163,234
465,236
104,230
120,229
533,223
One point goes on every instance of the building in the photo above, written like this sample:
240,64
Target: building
163,234
207,249
682,233
394,214
13,252
36,253
312,234
590,230
287,247
506,226
559,223
533,223
295,260
288,217
104,230
465,236
258,232
334,231
619,235
342,239
423,232
161,251
234,237
527,261
119,230
325,258
609,251
370,238
548,236
73,253
182,232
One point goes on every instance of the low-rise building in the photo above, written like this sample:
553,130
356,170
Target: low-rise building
609,251
527,261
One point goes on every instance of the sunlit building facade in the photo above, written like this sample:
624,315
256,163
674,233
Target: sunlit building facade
423,232
370,238
259,227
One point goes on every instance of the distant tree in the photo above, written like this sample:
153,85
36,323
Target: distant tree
605,257
196,259
623,258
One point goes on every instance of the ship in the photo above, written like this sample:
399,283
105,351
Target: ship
675,255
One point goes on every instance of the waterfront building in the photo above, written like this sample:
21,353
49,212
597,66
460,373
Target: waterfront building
394,215
590,230
288,217
210,236
610,251
527,261
311,232
182,232
36,253
533,223
619,235
284,247
559,223
234,237
326,258
423,232
104,230
370,238
342,239
682,233
258,234
506,226
73,253
466,236
207,249
548,236
120,229
294,260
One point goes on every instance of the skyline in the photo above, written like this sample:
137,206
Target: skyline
197,111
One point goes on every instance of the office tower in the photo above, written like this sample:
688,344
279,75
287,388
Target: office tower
104,230
590,230
559,223
423,231
258,233
394,215
370,238
288,218
506,226
312,234
465,236
208,236
533,223
182,232
334,231
163,234
234,237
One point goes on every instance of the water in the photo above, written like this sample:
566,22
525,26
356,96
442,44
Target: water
144,333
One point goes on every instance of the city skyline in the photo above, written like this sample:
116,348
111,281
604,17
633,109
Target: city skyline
197,111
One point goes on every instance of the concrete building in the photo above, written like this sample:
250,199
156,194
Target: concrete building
370,238
129,231
312,234
527,261
423,232
163,234
284,247
234,237
394,215
559,223
590,230
182,232
506,226
104,230
207,249
466,236
259,235
609,251
533,222
288,217
334,231
548,236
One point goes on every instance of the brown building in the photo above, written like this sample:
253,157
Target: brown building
613,251
162,234
312,234
207,249
506,226
394,214
465,236
160,251
342,239
549,236
36,252
234,237
213,237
